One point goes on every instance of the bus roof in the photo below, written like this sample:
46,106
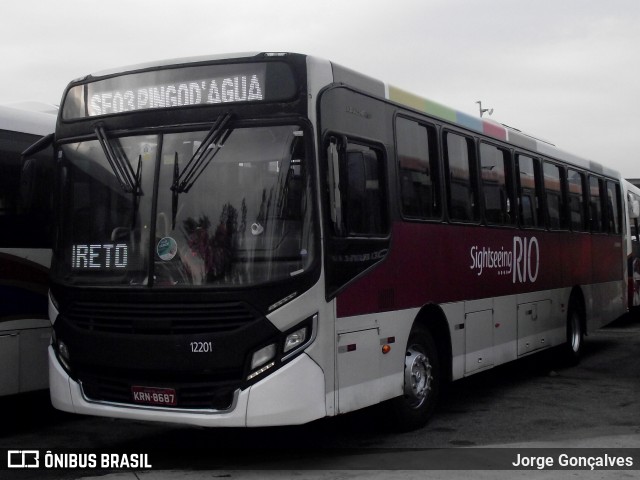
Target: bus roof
397,95
27,121
170,62
485,126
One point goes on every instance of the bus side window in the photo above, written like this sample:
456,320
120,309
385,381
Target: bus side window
25,193
575,189
363,192
418,169
555,206
614,211
497,185
460,173
529,177
595,204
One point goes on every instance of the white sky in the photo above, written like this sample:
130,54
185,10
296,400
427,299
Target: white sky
563,70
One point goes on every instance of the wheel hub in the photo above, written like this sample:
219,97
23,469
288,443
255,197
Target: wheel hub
417,377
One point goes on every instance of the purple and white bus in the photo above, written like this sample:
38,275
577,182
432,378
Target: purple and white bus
271,238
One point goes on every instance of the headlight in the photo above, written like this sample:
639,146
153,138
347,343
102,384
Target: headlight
260,359
294,339
63,354
263,355
290,343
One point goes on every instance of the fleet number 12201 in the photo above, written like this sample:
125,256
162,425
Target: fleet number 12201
201,347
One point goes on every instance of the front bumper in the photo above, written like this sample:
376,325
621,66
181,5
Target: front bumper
292,395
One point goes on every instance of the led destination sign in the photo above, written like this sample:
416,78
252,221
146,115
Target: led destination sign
99,256
240,88
181,87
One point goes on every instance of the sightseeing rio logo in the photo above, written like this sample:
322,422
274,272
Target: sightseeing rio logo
520,261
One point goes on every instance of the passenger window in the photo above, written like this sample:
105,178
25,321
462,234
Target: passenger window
364,196
357,204
553,195
418,169
497,185
595,205
528,193
575,187
613,208
460,173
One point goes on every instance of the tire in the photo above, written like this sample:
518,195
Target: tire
422,383
572,348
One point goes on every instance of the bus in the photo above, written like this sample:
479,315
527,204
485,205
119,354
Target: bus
272,238
25,250
633,245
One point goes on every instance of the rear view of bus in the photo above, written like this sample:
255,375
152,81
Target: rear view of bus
25,250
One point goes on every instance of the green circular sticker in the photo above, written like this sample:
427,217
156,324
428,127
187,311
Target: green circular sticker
167,248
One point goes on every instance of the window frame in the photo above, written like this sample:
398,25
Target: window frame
617,212
343,141
473,177
584,200
435,163
538,209
562,207
509,184
602,229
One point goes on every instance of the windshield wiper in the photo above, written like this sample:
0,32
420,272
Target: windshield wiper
128,179
174,191
210,146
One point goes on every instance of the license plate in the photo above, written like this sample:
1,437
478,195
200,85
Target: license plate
164,397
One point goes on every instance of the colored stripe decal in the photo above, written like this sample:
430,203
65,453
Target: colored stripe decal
494,130
435,109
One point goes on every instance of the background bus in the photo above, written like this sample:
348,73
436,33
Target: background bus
25,250
273,238
633,245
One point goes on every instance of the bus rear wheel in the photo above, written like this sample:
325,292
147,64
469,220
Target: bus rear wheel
422,382
572,349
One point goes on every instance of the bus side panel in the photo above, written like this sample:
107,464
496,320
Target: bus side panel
24,327
575,259
9,358
607,292
450,263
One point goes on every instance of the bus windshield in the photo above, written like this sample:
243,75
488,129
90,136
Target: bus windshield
243,217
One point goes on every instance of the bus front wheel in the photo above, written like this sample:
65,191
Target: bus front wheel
422,382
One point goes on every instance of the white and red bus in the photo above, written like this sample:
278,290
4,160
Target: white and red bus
271,238
633,245
25,250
